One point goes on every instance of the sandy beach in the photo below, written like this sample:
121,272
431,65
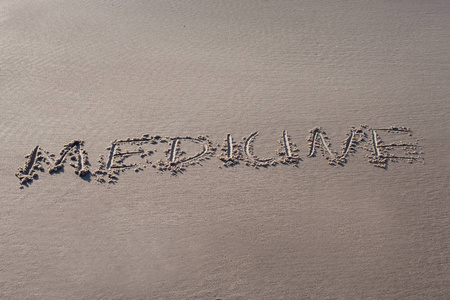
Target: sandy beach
224,149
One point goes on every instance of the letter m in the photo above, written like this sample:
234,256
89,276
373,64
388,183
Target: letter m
38,158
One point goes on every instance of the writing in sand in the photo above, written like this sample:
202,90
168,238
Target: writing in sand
176,154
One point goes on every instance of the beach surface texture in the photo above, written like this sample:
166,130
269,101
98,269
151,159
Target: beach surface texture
224,149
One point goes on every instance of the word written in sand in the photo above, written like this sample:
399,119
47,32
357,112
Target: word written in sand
142,152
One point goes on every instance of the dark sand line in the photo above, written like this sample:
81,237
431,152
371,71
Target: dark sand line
287,146
124,166
325,145
348,143
247,143
82,164
50,160
65,151
128,153
399,157
312,149
205,149
230,146
173,150
111,155
31,160
375,143
129,140
395,129
397,145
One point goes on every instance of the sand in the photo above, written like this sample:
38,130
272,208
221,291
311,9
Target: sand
224,150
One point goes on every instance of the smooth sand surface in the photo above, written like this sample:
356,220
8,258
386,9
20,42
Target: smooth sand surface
243,195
